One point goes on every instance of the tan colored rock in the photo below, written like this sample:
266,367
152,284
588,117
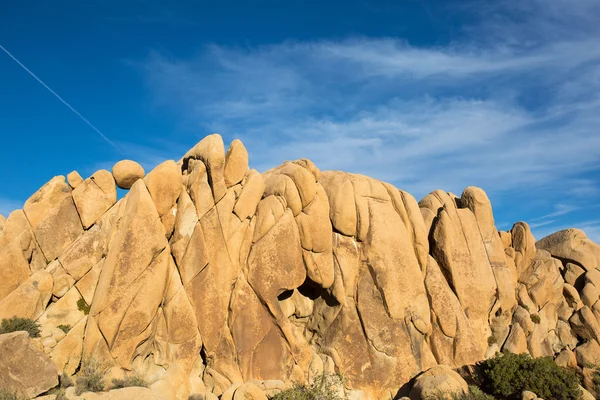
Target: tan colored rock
164,185
66,355
527,395
134,273
506,238
53,217
252,192
30,299
64,312
85,252
17,247
236,163
199,188
299,190
249,391
74,179
524,244
185,222
590,295
453,340
574,275
211,151
62,280
566,359
2,223
517,341
126,172
460,251
95,196
129,393
572,245
585,324
588,354
439,380
23,368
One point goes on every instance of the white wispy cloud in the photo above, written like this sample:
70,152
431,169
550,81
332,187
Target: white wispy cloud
513,107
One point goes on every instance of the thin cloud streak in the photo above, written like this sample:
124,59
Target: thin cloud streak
102,135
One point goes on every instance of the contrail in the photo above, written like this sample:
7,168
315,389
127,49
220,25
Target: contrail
61,99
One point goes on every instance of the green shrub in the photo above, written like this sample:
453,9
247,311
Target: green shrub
64,328
128,381
15,324
8,395
535,318
525,306
506,376
196,397
90,377
83,306
323,387
474,394
491,340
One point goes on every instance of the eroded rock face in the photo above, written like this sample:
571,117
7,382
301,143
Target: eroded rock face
211,278
23,368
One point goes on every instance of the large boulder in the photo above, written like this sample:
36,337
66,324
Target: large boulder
126,172
53,217
23,368
95,196
439,382
572,245
30,299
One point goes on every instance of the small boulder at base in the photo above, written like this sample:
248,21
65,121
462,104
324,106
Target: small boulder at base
23,368
440,381
126,172
128,393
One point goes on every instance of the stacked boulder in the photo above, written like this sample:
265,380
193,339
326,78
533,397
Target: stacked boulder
213,279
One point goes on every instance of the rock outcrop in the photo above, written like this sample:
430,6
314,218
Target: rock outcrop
213,279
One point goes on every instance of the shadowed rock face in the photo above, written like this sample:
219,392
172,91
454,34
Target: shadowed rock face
208,275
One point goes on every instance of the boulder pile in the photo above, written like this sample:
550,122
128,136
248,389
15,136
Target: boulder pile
209,278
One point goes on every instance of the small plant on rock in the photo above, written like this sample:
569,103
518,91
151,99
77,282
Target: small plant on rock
15,324
8,395
90,377
474,394
535,318
129,381
64,328
83,306
324,386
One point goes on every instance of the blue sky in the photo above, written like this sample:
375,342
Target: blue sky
426,95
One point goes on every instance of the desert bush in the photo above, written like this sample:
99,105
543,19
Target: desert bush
535,318
196,397
83,306
15,324
64,328
8,395
90,377
323,387
507,375
128,381
474,394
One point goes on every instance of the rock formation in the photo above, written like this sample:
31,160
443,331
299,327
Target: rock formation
211,278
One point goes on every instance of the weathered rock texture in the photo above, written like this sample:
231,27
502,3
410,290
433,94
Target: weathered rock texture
210,278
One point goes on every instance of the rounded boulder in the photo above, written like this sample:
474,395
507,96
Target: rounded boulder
126,172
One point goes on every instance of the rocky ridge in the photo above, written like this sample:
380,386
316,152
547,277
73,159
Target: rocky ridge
208,277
